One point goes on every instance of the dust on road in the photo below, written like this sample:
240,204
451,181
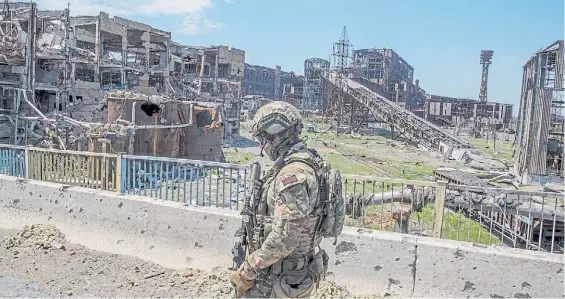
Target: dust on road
38,255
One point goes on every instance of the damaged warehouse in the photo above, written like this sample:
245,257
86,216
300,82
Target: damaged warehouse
58,82
157,126
541,118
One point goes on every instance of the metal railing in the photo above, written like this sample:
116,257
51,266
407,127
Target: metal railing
488,216
389,204
12,160
85,169
514,218
199,183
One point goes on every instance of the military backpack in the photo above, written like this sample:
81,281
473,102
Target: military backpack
332,201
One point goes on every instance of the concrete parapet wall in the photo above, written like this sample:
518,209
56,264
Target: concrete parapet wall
365,261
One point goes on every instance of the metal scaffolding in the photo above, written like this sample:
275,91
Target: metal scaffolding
313,89
336,106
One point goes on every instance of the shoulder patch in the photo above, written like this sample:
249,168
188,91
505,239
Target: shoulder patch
291,179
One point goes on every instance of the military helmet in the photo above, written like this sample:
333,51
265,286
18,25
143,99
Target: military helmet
275,118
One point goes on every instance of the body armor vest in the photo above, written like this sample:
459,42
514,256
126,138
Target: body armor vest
308,237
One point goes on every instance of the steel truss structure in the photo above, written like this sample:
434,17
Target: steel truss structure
360,98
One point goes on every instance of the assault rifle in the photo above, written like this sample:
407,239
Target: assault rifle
244,235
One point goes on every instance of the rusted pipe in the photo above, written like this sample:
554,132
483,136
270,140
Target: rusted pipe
132,136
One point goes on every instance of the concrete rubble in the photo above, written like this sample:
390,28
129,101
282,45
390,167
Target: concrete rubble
56,82
36,237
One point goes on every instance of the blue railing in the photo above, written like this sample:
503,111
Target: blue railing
199,183
196,183
12,160
473,214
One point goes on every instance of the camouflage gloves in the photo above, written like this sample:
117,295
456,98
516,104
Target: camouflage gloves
241,281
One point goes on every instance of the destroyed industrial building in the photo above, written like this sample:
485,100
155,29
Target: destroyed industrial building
273,84
60,74
540,127
387,74
81,82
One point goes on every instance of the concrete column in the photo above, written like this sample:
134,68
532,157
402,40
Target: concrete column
277,81
167,66
97,51
124,57
215,82
147,45
203,63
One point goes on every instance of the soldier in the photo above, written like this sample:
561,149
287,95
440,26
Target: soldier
290,215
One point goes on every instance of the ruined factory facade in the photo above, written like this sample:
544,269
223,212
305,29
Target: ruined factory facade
391,72
541,117
387,73
313,85
157,126
456,112
56,71
207,71
273,84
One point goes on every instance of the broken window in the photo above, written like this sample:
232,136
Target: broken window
207,117
84,74
85,45
113,78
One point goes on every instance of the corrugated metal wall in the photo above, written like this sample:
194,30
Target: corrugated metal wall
559,66
535,111
540,131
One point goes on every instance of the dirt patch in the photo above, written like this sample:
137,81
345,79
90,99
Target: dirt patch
35,237
376,219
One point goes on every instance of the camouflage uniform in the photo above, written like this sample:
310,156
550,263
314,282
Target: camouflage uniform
290,211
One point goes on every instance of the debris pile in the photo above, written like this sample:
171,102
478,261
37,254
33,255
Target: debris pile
138,94
216,284
329,289
36,237
235,140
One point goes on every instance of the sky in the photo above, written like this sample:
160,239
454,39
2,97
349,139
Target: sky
441,39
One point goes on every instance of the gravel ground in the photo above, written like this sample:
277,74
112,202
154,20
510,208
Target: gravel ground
37,262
